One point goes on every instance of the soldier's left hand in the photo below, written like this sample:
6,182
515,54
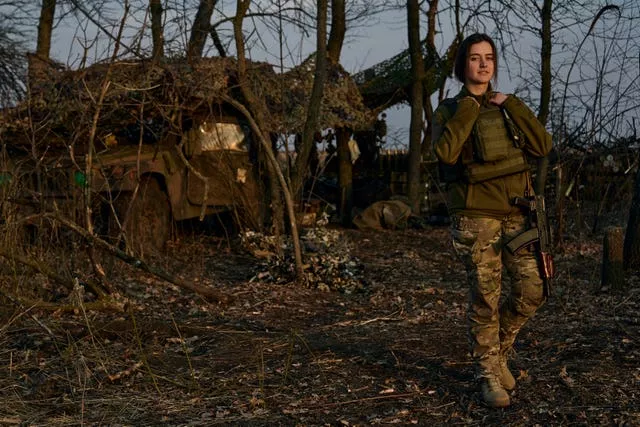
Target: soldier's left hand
498,98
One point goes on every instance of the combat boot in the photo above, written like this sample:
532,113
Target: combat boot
504,374
494,394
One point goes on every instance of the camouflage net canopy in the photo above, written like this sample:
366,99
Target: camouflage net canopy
147,99
388,82
385,79
342,104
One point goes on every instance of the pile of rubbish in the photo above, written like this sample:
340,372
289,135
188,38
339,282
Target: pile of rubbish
328,263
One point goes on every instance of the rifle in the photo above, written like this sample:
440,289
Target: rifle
538,235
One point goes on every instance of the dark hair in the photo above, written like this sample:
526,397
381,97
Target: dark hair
463,52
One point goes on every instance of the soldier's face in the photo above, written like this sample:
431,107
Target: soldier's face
480,65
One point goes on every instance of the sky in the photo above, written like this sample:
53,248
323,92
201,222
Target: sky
380,39
372,45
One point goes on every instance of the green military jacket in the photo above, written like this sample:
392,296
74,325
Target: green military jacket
451,133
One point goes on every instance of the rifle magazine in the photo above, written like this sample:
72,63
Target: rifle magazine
523,240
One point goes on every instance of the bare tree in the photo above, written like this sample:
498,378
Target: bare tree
200,28
12,69
631,257
157,35
315,101
40,65
542,169
429,83
256,115
345,166
16,18
338,30
429,73
415,132
45,28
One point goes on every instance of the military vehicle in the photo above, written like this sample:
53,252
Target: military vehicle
137,191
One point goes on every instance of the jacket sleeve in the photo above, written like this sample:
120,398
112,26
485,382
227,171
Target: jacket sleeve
537,139
449,136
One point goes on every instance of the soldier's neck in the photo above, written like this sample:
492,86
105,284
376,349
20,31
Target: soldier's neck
477,89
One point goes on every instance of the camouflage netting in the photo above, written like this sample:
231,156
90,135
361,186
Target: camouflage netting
63,103
388,82
342,103
329,263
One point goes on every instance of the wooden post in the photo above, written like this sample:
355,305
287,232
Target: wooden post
612,268
345,176
559,207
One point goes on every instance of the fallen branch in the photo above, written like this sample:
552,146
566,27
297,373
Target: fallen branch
206,292
370,399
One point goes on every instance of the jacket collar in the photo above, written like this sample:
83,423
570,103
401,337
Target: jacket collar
482,99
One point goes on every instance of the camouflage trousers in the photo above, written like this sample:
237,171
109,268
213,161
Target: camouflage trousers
494,325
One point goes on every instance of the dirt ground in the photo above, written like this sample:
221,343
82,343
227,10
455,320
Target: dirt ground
393,352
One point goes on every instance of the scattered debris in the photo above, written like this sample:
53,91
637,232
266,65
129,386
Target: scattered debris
329,264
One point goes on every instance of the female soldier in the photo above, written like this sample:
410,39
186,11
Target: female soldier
481,138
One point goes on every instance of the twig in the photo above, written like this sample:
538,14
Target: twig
135,89
365,322
370,399
126,372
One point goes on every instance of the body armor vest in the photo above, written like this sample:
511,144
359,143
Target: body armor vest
493,149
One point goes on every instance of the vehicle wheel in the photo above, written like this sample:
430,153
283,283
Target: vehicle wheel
144,222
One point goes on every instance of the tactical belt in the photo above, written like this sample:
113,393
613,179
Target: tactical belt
479,172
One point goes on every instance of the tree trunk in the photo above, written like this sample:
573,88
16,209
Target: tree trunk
338,30
45,28
612,271
632,236
39,64
345,167
275,192
542,168
429,61
255,114
155,9
315,102
345,175
222,52
545,61
415,129
200,29
559,234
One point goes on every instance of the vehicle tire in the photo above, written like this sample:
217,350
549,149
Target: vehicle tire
144,222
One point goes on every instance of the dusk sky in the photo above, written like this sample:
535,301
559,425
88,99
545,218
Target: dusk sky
384,36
